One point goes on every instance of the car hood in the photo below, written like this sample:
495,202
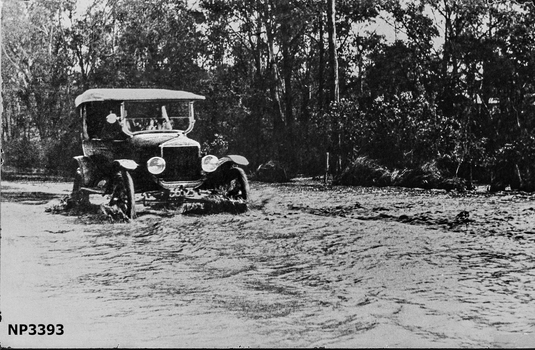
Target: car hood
162,139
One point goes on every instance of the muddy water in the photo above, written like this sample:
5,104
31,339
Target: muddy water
306,266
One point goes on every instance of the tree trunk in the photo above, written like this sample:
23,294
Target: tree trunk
333,55
278,115
321,65
287,72
334,81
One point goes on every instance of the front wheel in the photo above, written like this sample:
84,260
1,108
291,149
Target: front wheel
238,185
123,194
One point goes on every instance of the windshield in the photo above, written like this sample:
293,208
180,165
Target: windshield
157,116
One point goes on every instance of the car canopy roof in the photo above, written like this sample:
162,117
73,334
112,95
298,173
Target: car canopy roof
92,95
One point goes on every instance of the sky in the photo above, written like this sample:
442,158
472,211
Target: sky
82,5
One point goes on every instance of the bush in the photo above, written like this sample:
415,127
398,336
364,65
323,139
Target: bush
367,172
271,171
514,165
402,131
364,172
59,155
218,147
429,176
24,154
53,155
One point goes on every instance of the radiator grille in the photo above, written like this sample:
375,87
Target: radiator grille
183,163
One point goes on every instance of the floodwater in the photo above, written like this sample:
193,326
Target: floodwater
306,266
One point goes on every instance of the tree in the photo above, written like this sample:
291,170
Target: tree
35,53
92,41
333,53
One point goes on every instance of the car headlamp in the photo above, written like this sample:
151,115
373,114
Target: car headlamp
156,165
209,163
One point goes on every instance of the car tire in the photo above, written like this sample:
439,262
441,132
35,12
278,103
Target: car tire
78,196
124,195
238,187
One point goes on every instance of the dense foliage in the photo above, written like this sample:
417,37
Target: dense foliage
452,86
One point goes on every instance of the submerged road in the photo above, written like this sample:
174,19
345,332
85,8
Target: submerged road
306,266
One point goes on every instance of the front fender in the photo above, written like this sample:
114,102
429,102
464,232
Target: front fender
229,160
224,171
240,160
88,170
126,164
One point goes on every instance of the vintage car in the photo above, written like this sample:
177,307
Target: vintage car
135,141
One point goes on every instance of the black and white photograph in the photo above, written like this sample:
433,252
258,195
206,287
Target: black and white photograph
267,174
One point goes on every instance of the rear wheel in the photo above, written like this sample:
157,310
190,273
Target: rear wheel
123,194
78,196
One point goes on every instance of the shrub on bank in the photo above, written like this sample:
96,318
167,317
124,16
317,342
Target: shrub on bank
367,172
45,157
23,154
364,172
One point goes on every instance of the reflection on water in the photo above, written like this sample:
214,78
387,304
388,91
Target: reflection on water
322,275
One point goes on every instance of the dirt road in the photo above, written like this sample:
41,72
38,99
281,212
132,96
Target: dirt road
306,266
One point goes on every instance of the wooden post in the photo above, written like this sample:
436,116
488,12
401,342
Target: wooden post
326,168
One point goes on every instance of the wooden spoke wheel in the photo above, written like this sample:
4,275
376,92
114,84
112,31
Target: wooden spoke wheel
78,196
236,185
123,194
